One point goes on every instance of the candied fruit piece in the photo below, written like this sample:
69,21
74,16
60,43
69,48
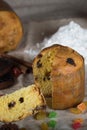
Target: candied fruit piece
52,123
76,125
75,110
44,126
71,61
11,104
82,107
47,75
39,64
52,114
40,115
40,55
80,120
21,99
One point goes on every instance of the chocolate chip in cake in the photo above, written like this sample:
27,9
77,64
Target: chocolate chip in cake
70,61
39,64
11,104
21,99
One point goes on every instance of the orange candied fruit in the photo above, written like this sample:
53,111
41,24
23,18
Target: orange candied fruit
80,120
82,107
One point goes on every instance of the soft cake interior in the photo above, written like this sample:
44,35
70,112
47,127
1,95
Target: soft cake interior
42,71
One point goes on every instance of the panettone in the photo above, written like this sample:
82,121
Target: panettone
11,29
59,72
21,103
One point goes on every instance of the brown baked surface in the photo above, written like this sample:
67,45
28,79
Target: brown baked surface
59,72
11,30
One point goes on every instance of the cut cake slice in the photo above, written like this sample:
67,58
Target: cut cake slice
21,103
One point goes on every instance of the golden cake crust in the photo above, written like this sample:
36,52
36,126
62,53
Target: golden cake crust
11,29
65,70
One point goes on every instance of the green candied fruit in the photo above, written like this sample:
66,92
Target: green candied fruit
52,114
52,123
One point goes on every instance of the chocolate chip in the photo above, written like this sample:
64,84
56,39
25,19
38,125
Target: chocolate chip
11,104
21,99
70,61
39,64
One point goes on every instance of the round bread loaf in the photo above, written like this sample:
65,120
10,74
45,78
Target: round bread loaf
59,72
11,31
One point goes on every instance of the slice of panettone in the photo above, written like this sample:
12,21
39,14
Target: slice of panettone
21,103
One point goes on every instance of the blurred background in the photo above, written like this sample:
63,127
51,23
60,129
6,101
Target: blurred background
48,9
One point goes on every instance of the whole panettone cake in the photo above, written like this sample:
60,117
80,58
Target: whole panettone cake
59,72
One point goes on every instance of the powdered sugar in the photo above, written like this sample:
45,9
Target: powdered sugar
72,35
